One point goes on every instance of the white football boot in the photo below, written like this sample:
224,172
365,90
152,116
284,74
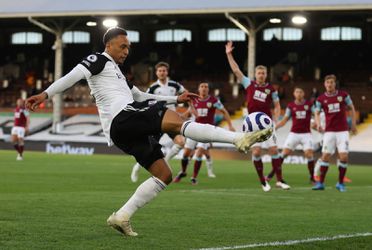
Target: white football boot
19,157
244,143
266,187
283,185
123,226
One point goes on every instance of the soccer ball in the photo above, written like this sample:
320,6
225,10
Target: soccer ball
256,121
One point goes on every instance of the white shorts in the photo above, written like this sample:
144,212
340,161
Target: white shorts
191,144
271,142
333,140
303,139
18,131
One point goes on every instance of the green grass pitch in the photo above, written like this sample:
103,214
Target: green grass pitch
62,202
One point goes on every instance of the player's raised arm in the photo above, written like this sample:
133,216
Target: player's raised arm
75,75
233,65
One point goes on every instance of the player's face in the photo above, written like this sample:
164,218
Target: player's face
162,73
20,103
330,85
261,75
203,89
299,94
118,48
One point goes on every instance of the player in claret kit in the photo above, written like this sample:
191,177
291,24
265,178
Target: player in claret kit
131,119
205,107
300,110
334,103
20,128
260,97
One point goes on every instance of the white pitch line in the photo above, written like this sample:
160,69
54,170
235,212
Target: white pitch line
291,242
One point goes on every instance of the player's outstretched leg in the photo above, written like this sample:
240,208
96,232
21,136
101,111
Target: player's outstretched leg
173,123
135,171
145,193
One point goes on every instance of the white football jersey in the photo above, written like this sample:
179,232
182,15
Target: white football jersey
170,88
108,86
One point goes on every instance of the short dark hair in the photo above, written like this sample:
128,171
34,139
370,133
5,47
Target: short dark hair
162,64
112,33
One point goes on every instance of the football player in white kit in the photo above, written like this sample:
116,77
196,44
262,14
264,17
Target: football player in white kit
131,119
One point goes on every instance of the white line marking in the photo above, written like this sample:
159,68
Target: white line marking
291,242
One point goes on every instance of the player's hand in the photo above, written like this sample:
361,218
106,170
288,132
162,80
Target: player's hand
186,97
229,47
33,102
27,131
354,129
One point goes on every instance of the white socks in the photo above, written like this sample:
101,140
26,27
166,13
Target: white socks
317,167
172,152
209,164
144,194
208,133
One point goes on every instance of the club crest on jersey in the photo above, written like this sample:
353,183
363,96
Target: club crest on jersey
92,58
339,98
209,104
306,107
267,91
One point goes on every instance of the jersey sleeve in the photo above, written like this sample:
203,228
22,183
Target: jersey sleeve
246,81
93,64
181,88
275,96
318,106
288,112
152,89
348,100
26,113
218,105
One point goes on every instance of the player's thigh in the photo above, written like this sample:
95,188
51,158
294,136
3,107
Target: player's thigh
291,142
307,142
342,142
329,143
21,133
172,122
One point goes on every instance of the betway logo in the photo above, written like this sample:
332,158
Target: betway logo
68,149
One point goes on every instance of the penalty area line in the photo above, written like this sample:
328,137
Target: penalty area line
290,242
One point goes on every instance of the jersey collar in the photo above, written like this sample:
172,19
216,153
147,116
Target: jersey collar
163,84
109,57
333,94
